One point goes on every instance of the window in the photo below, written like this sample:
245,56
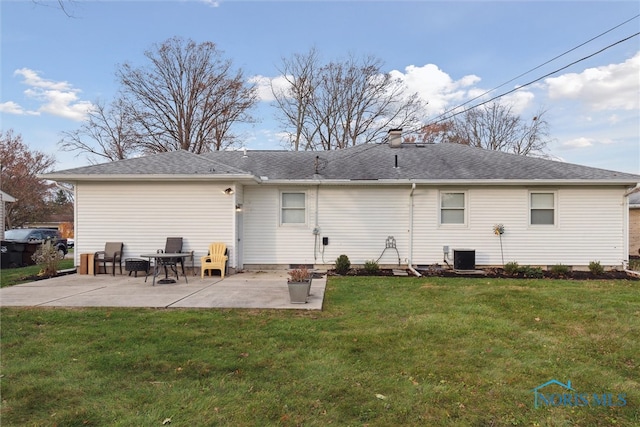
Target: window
452,208
542,208
293,208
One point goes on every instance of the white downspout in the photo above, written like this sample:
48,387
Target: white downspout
625,232
410,263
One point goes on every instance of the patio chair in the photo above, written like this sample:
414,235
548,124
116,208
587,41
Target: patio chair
112,254
173,245
216,260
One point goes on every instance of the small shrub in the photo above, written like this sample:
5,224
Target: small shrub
511,268
343,264
299,275
532,272
595,267
371,267
559,270
47,257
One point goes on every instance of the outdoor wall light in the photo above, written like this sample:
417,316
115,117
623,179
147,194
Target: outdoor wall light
238,208
228,191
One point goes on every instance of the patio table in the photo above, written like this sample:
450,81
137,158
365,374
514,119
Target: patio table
157,257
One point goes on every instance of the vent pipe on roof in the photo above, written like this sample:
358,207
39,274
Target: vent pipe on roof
395,138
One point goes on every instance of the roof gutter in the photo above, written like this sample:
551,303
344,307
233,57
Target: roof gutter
69,178
632,190
441,182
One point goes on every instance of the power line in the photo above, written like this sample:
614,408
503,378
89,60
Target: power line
445,115
534,81
539,66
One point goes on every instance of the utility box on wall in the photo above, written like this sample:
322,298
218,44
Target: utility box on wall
464,259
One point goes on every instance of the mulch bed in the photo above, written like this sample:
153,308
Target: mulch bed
439,271
36,277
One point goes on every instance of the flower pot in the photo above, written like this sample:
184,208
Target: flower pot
299,291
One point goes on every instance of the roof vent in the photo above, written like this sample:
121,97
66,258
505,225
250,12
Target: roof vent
395,138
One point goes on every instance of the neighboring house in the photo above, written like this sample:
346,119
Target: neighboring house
634,224
278,208
4,198
52,221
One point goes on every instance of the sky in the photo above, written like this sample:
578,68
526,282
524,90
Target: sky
577,60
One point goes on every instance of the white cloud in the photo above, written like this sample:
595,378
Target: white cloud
263,85
610,87
613,119
55,98
518,100
581,142
436,87
211,3
11,107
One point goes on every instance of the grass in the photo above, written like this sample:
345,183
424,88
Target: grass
383,352
14,276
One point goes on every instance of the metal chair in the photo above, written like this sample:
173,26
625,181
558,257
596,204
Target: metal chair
173,245
112,254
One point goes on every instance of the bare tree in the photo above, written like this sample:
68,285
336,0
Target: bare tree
187,98
343,103
495,127
431,134
108,134
295,100
63,5
19,170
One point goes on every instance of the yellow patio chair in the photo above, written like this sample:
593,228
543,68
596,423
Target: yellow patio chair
216,260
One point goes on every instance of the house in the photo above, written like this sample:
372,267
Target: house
432,201
634,224
4,198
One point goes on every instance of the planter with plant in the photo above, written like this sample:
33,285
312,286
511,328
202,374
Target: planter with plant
299,284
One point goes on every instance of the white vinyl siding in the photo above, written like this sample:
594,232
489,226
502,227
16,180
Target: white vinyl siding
590,223
143,215
589,226
356,220
265,240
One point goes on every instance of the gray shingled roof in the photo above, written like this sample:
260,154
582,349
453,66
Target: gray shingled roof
414,162
418,162
169,163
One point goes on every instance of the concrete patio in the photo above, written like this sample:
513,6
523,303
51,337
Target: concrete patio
253,290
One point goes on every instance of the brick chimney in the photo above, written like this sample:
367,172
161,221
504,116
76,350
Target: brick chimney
395,138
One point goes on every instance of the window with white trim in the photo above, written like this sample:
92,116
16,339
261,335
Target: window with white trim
452,207
542,208
293,208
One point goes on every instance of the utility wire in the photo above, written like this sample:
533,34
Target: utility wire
438,119
539,66
534,81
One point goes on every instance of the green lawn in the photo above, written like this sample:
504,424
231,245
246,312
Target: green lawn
383,352
14,276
